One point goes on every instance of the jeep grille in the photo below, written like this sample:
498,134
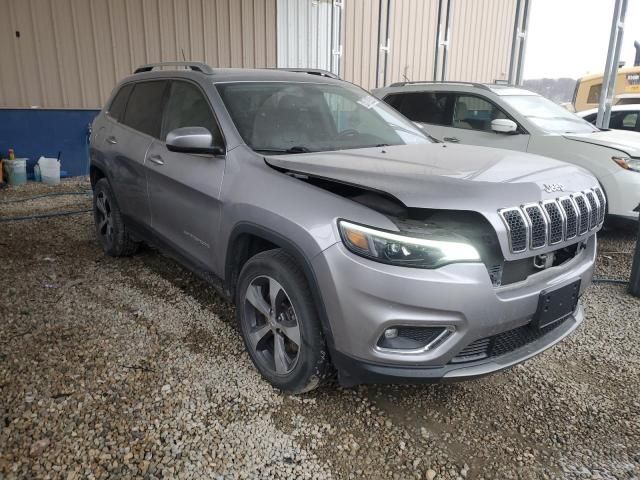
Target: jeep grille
537,225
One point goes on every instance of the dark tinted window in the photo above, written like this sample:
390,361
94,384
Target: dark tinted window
116,109
623,120
187,107
144,108
426,107
591,118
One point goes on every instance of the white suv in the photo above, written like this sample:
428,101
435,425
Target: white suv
504,116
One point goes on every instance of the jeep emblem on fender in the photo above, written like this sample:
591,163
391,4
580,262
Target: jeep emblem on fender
553,187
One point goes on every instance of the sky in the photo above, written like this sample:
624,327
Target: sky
569,38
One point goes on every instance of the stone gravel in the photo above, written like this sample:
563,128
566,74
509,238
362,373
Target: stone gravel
134,368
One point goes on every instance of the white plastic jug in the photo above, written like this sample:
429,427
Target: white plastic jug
49,170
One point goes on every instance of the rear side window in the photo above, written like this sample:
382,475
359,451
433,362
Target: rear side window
425,107
594,93
119,102
188,107
144,108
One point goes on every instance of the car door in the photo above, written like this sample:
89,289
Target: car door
184,189
129,141
471,124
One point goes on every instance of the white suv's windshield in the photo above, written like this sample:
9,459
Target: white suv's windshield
282,117
550,117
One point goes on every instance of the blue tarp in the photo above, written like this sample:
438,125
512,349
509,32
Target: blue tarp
33,133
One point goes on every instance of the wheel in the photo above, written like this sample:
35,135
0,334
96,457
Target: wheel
280,324
112,234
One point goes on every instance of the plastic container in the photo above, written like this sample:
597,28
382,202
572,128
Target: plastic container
16,171
36,173
49,170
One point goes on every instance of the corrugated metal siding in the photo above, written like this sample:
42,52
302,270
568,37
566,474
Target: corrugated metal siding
412,32
304,33
70,53
360,42
480,40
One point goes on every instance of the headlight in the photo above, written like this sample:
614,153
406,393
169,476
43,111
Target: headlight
628,163
396,249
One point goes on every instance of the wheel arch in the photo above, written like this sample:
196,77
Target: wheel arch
248,239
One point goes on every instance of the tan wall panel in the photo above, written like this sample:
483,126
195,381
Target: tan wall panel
481,40
71,53
412,31
360,42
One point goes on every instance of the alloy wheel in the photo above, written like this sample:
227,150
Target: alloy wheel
272,327
104,218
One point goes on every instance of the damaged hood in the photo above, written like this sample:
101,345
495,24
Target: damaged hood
627,142
441,176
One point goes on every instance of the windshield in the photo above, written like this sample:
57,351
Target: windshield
281,117
550,117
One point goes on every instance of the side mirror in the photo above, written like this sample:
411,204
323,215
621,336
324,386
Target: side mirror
503,125
192,140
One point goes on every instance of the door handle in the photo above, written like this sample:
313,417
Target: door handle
112,140
157,159
451,139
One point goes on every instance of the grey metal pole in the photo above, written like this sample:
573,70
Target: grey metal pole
611,66
514,44
634,280
523,41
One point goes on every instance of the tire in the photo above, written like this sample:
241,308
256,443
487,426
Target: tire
111,232
294,361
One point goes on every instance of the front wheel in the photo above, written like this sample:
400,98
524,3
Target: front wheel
280,324
111,232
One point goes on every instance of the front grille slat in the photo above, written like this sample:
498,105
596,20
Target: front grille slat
603,204
517,228
593,217
571,216
538,225
556,222
583,208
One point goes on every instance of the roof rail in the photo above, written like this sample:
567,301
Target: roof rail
312,71
440,82
195,66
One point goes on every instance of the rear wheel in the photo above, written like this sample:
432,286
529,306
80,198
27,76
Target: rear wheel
111,232
279,323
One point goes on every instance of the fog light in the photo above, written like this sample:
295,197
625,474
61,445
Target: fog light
391,333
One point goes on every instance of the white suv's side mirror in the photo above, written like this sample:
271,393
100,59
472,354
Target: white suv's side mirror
503,125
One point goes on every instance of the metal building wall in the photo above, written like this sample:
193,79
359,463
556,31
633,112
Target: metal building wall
412,39
304,33
360,42
480,46
70,53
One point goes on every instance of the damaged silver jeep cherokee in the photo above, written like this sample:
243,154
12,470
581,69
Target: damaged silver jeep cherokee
345,235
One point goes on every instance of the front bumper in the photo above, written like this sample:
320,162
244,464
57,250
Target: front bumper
363,298
623,194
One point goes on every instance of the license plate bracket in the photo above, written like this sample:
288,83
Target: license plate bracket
556,305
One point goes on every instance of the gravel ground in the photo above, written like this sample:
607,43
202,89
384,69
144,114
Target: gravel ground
122,368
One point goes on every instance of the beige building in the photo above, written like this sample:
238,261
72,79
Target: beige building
70,53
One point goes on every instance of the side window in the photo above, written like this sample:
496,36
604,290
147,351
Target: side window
187,107
623,120
119,102
425,107
144,108
594,93
475,113
591,118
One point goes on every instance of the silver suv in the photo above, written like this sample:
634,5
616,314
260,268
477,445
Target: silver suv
347,238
